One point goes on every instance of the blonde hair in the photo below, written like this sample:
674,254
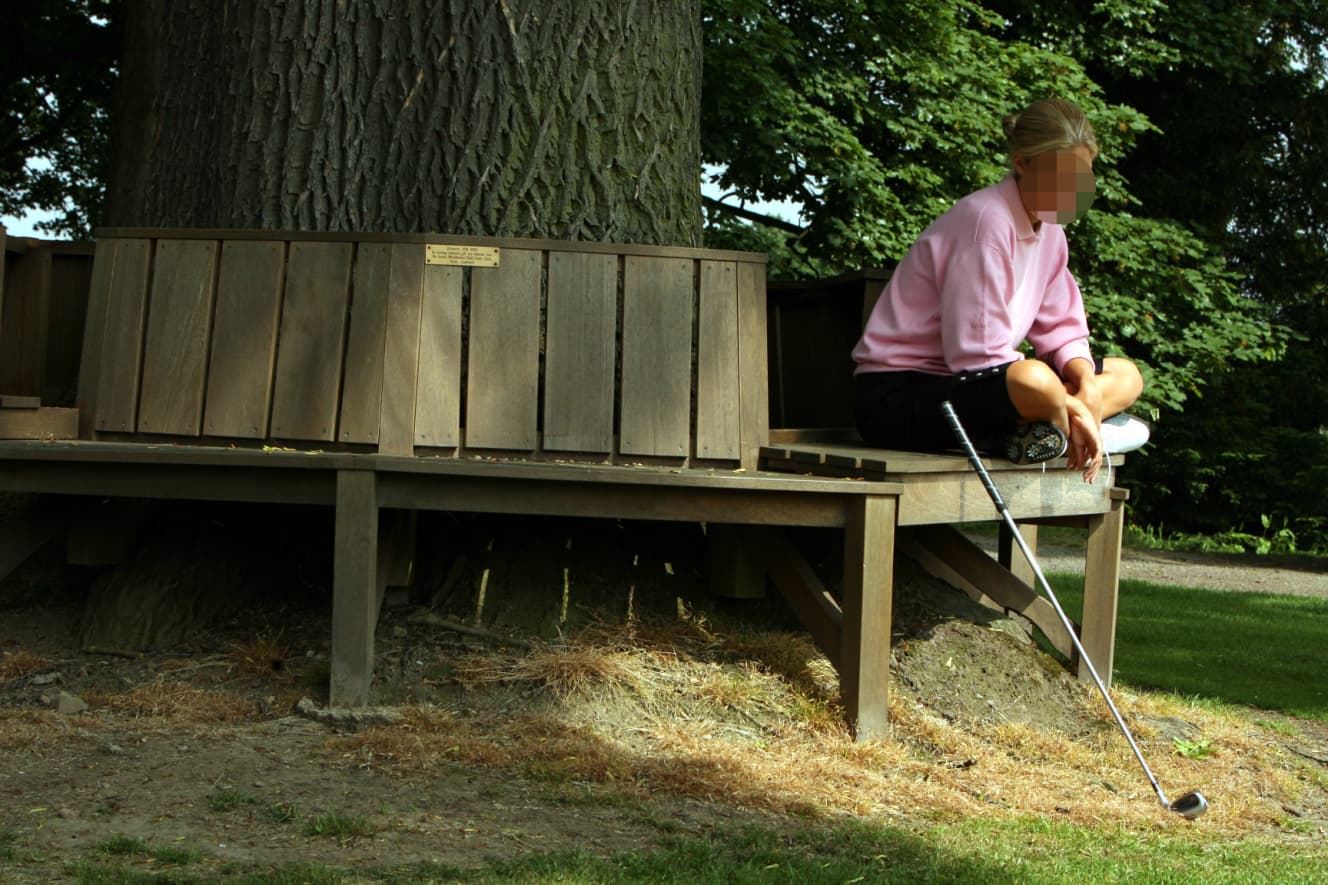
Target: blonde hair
1051,124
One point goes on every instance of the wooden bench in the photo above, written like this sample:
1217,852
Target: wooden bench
381,374
940,491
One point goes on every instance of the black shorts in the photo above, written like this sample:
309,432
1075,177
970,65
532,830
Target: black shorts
902,410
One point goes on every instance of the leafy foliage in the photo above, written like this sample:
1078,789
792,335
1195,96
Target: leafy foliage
1206,247
57,72
876,116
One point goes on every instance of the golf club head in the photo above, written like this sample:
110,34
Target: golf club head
1190,806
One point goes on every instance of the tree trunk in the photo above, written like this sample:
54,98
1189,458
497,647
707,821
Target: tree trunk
570,119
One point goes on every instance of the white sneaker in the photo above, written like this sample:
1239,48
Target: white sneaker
1123,433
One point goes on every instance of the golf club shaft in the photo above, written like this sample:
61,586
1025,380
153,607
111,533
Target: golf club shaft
996,499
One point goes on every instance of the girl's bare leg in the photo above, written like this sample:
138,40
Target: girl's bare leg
1120,384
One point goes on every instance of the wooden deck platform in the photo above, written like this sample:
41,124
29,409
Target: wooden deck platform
374,373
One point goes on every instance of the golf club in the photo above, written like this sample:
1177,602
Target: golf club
1192,804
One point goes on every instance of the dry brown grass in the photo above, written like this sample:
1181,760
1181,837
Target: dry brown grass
178,703
565,671
671,728
19,663
262,657
43,730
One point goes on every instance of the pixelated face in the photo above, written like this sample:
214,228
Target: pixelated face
1057,186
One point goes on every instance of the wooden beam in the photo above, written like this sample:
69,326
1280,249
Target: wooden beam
734,561
965,561
103,530
864,668
814,605
355,594
397,534
20,538
40,423
499,493
1101,586
1009,555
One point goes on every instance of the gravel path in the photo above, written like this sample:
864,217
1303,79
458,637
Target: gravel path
1286,574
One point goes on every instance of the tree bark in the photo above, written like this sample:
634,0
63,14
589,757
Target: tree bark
569,119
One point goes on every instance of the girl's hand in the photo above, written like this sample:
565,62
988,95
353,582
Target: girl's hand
1082,384
1085,449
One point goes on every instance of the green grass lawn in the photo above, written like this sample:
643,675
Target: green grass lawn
971,852
1256,649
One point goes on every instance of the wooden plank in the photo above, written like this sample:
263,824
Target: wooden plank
103,530
23,323
179,328
953,498
752,366
1101,591
504,243
20,538
244,339
355,598
493,494
718,383
94,331
796,436
735,561
502,378
814,605
402,344
309,349
71,275
4,260
121,360
1009,555
656,396
438,395
580,352
20,402
362,388
864,666
49,423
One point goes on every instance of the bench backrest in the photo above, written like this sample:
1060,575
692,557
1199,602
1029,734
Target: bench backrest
416,344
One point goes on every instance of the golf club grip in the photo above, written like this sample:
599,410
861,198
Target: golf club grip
948,410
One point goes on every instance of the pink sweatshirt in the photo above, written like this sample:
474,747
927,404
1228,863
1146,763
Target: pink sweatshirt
977,283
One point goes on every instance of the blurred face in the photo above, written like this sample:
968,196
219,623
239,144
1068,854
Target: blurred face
1057,186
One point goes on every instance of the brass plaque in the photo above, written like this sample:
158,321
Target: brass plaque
461,256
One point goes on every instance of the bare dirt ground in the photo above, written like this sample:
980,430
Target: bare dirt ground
630,711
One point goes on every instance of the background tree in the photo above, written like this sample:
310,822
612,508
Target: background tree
1238,95
877,116
57,72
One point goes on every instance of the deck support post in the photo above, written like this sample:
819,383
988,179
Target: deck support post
864,665
1009,555
356,586
1101,580
735,566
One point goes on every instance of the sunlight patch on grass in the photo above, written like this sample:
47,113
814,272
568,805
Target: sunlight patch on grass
676,732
